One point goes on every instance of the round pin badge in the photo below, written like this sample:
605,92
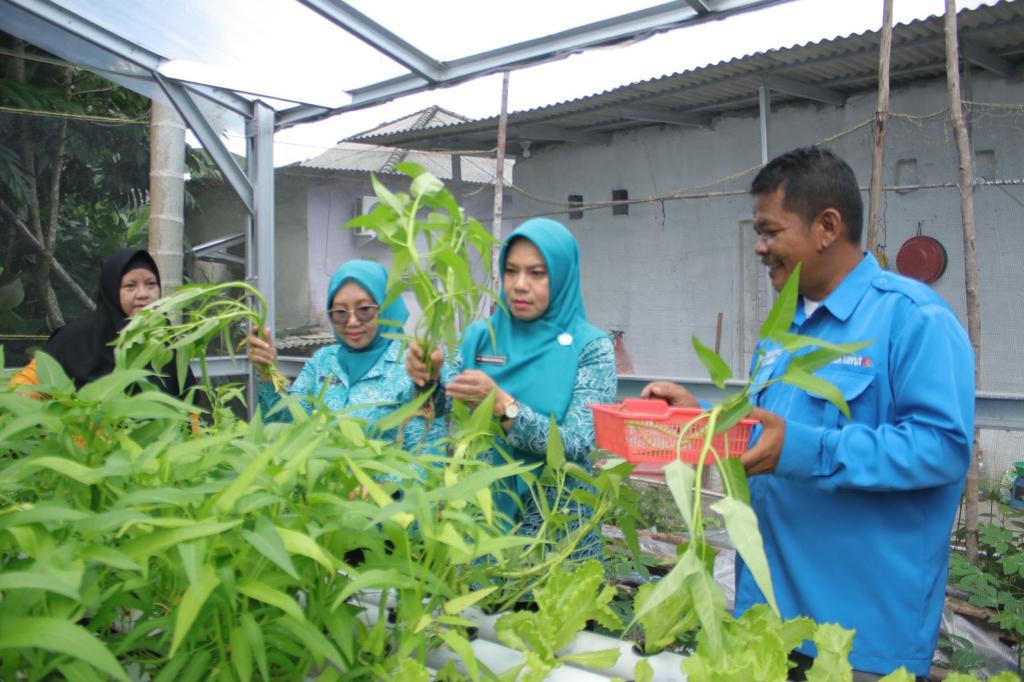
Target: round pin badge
565,339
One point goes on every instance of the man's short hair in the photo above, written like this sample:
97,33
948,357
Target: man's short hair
813,179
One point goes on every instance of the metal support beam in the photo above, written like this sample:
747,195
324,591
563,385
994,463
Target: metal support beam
378,37
260,161
764,101
209,137
699,6
259,242
663,17
805,90
684,118
554,134
979,55
225,98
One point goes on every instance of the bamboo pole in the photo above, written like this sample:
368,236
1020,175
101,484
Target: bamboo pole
966,186
499,187
880,126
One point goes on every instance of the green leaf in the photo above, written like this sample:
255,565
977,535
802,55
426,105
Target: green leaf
397,417
147,545
262,592
385,195
425,183
241,653
593,660
731,471
461,603
255,636
901,675
832,664
741,524
671,585
313,640
109,556
556,448
715,365
300,543
65,467
60,637
227,499
817,386
25,580
193,599
643,672
780,317
461,646
43,513
680,479
193,556
265,540
709,602
383,578
112,384
51,375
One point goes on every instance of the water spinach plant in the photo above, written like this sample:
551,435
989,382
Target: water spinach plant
434,247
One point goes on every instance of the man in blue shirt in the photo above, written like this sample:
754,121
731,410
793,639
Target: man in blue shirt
856,515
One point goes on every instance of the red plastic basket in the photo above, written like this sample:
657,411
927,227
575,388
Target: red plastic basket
648,431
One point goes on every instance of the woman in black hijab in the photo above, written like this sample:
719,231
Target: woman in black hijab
129,281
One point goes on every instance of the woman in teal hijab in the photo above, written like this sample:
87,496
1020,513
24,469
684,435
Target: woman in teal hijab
544,360
363,372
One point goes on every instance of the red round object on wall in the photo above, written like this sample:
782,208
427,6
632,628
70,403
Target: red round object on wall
923,258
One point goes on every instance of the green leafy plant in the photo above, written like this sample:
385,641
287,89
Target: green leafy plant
565,603
182,325
434,246
996,581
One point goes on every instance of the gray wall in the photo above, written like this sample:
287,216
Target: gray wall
663,272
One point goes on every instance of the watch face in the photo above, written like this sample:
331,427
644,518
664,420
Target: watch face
512,410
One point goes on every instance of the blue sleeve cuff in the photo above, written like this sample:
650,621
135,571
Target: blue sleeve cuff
801,451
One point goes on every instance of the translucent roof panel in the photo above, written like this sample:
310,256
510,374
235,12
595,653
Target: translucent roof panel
277,48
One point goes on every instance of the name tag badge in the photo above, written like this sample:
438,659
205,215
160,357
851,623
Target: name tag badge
491,359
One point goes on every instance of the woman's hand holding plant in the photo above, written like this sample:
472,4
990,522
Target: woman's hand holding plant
262,353
473,386
418,370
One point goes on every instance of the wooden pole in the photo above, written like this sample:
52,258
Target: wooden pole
499,187
966,186
880,126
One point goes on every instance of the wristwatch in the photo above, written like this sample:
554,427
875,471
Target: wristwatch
511,410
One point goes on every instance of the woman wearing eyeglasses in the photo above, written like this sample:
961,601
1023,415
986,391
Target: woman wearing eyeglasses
363,373
545,360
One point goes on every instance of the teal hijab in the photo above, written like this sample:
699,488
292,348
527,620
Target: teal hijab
372,277
541,357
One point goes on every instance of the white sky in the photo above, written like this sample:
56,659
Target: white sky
455,30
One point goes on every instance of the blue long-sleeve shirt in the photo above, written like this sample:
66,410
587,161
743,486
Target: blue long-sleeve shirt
856,518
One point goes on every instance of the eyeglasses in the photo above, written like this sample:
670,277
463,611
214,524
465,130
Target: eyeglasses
363,313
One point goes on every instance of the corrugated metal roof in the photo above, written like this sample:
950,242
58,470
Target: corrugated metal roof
844,65
361,157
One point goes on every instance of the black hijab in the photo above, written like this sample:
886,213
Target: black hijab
82,346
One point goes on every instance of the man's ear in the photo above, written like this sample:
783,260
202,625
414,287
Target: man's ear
831,228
